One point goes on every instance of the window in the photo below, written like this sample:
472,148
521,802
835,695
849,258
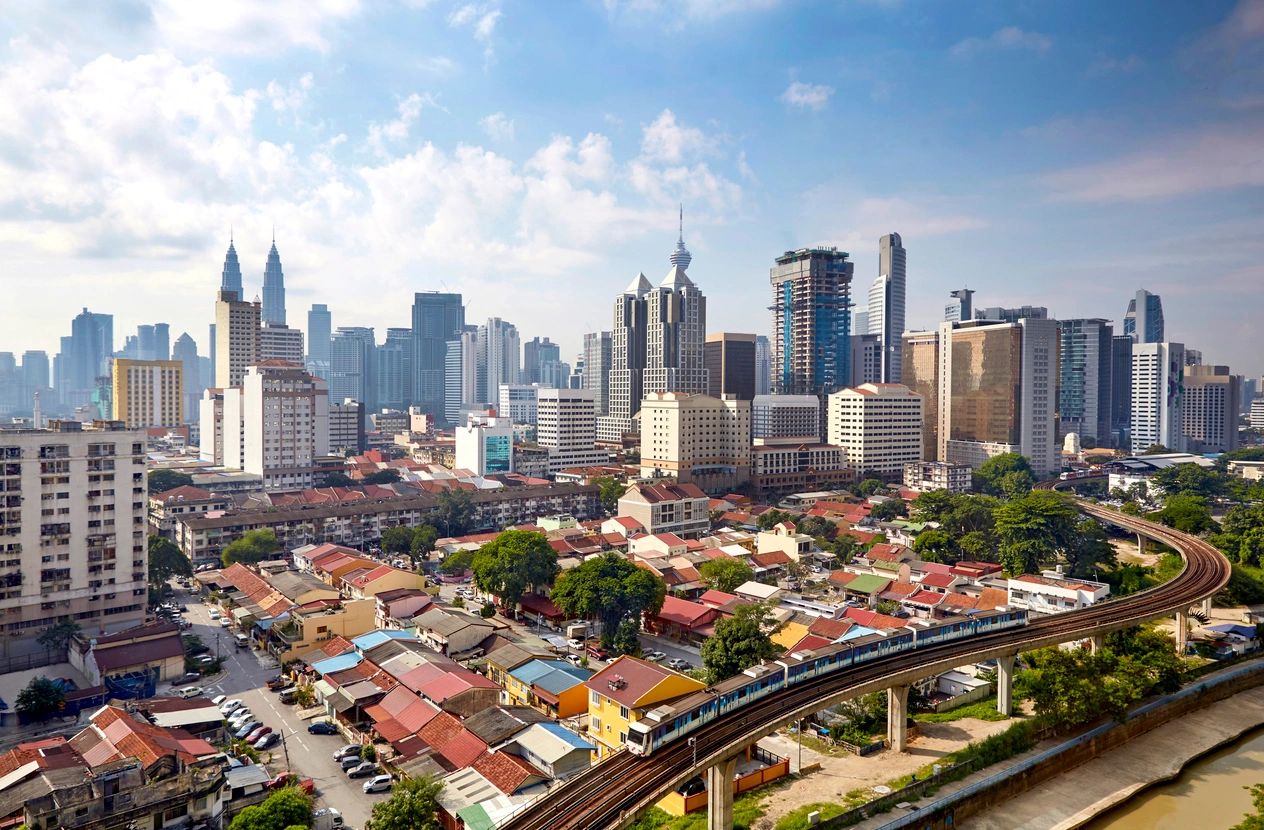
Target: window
623,713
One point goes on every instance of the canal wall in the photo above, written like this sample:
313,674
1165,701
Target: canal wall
1005,799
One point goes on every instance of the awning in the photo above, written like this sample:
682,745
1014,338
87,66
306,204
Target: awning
241,613
545,695
340,701
476,818
324,688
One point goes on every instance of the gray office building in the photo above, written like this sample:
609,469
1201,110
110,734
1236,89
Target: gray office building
595,369
437,318
886,304
319,332
1085,374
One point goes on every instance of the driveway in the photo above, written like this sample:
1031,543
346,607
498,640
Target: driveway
311,756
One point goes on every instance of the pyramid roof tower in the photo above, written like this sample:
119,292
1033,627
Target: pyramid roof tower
230,279
638,287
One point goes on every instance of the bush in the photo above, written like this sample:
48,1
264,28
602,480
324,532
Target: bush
488,610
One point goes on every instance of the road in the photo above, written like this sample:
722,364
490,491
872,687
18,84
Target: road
311,756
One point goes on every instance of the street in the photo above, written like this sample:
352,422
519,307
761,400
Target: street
311,756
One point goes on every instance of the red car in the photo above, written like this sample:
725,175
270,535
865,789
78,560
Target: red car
257,734
289,779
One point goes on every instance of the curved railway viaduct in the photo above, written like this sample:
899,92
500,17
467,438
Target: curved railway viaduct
613,792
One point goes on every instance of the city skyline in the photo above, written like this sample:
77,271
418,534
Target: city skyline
376,188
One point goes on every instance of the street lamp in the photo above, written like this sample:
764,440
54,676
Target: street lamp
693,743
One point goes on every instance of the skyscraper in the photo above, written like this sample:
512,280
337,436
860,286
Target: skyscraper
866,359
811,305
627,361
920,366
460,384
499,356
886,304
730,362
352,367
960,307
1144,318
1120,390
185,351
763,365
1158,386
1210,411
35,377
437,318
535,353
394,367
85,357
230,278
596,376
273,288
236,338
1084,388
319,330
676,327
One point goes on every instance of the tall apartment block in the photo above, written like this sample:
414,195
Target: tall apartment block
811,306
866,359
879,427
277,424
886,304
499,358
346,427
920,366
236,338
437,318
1210,411
566,426
460,385
598,354
1084,388
519,401
72,530
730,362
779,418
696,439
1158,377
148,393
277,341
1143,321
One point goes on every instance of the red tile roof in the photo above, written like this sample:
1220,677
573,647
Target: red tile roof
771,559
716,598
185,492
683,612
872,619
830,629
938,581
841,578
627,679
656,493
454,682
506,772
147,651
809,641
886,552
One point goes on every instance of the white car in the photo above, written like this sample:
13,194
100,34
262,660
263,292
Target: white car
189,691
378,784
224,622
228,706
655,656
219,700
578,645
214,614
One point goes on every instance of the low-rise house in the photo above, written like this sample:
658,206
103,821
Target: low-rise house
1051,593
784,538
454,634
132,662
553,749
555,687
624,526
683,620
658,544
197,716
168,507
623,692
308,624
396,608
376,580
498,724
757,592
668,507
505,657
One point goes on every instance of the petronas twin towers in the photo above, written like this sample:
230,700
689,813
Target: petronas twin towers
273,282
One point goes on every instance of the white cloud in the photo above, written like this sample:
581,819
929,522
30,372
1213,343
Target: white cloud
1010,38
1214,158
807,96
498,127
289,98
688,9
248,26
666,140
480,19
438,65
1110,65
396,130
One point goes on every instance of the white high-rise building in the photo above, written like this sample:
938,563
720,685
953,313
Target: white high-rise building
879,426
886,305
280,415
236,338
211,427
1256,415
566,425
696,438
1158,371
499,358
517,402
786,417
277,341
460,375
484,445
72,532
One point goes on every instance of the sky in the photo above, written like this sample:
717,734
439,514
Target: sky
532,156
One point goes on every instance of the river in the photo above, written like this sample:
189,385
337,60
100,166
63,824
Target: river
1210,793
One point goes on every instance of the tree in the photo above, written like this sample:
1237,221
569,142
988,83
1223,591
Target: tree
1156,449
1255,820
160,481
387,476
165,561
397,539
1032,527
413,805
286,807
1189,514
771,518
40,700
424,538
977,546
1189,480
845,548
458,561
453,512
991,477
933,546
1089,550
58,636
724,573
255,546
869,487
740,641
625,639
889,510
609,588
934,506
818,527
513,563
338,479
611,490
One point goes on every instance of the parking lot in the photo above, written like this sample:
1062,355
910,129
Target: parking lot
310,756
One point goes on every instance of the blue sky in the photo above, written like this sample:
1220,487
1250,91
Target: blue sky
531,155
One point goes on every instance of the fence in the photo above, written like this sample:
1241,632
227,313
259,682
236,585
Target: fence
34,660
775,767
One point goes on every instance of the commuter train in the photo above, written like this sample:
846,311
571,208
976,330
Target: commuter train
673,721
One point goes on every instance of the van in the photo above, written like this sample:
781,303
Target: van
326,819
189,691
242,640
288,695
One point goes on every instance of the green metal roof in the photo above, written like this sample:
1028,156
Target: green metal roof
868,584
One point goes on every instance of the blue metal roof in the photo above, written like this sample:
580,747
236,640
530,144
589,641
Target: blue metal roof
1247,631
382,635
342,662
554,676
566,735
857,631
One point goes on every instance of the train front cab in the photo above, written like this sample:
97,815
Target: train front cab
638,740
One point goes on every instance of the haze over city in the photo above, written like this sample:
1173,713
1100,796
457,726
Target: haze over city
1062,156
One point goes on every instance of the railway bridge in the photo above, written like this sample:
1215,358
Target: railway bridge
612,793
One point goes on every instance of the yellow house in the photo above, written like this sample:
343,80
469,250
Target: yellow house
623,692
789,634
554,687
369,582
309,624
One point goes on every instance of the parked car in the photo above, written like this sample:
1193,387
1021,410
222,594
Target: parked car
598,653
240,719
678,664
364,770
350,762
204,660
228,706
246,729
287,696
578,645
322,727
214,614
187,677
219,700
189,691
378,784
278,683
346,751
655,656
289,779
266,741
225,622
575,659
257,734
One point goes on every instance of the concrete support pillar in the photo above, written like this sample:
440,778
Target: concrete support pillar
1096,643
1005,684
897,717
1182,632
1207,607
720,795
1140,543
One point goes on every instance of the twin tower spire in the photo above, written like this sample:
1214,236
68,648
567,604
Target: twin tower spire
273,282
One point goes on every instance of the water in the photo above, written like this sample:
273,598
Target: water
1210,793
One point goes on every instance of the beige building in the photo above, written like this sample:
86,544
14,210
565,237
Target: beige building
878,425
277,424
668,508
920,372
72,530
1213,399
277,341
148,393
308,625
236,338
696,438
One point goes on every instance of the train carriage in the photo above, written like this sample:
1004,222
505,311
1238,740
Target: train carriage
804,665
